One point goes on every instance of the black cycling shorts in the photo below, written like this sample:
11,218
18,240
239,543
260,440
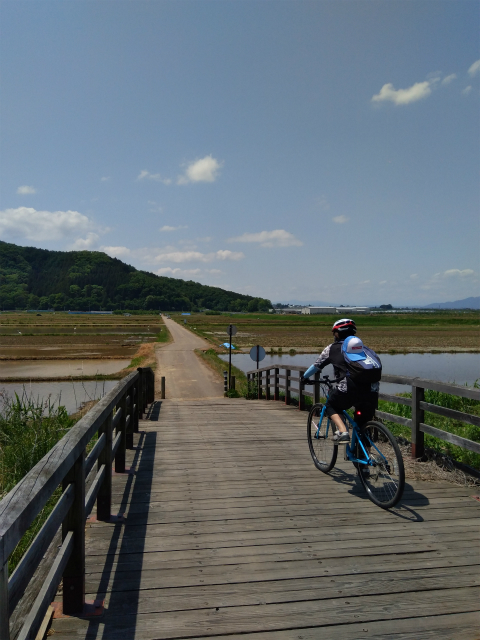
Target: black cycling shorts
363,400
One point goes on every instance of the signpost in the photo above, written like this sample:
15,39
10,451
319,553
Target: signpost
231,330
257,353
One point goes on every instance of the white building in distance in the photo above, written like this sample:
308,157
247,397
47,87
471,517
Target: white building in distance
344,311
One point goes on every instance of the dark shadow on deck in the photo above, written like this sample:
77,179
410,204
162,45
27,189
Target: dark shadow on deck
127,578
153,411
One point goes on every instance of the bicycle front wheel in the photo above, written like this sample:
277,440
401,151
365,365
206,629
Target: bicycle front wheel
320,439
384,480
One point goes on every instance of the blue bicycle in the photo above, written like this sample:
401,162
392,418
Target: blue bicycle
372,449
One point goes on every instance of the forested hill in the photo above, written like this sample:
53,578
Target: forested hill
33,278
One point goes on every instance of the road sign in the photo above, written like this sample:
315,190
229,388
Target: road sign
257,353
232,330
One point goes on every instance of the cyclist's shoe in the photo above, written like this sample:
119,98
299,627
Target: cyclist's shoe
341,437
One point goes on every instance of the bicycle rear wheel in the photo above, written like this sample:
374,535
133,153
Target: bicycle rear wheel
384,481
320,439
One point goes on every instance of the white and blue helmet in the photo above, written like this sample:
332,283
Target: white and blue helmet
345,325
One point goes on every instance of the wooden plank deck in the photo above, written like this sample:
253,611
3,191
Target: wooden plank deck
231,532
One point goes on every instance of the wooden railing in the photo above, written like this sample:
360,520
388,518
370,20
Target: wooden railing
58,551
276,378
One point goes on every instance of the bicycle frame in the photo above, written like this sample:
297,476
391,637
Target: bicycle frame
350,448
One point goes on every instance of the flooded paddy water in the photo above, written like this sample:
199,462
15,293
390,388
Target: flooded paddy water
72,395
63,346
59,368
459,368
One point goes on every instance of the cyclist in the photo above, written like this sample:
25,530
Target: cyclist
362,395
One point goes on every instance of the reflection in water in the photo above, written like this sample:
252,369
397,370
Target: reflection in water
71,395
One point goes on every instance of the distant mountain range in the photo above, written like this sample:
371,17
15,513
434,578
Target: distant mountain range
466,303
33,278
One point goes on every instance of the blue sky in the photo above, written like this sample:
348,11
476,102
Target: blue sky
310,151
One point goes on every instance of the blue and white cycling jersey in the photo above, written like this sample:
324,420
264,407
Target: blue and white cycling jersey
339,367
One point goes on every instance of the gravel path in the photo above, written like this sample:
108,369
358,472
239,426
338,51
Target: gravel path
186,376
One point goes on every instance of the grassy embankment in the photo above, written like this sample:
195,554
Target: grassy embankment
28,430
145,355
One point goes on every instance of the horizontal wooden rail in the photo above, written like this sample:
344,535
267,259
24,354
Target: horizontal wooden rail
115,418
32,558
451,437
265,380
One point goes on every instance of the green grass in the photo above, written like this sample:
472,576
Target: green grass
456,427
28,430
163,335
217,364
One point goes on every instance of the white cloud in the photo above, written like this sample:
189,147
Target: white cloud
203,170
414,276
340,219
474,69
105,179
156,177
276,238
25,190
467,90
225,254
117,252
449,79
383,282
167,228
177,272
417,91
457,273
84,244
197,256
29,224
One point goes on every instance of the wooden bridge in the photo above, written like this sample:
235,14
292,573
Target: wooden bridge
222,527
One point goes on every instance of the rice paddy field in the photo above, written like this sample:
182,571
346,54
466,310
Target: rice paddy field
28,339
385,333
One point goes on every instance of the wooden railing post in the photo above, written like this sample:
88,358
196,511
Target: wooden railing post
104,497
316,389
276,390
4,598
301,387
130,425
267,385
140,394
136,395
162,387
150,387
287,386
418,439
74,573
122,428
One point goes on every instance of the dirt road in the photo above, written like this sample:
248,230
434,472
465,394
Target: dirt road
186,376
